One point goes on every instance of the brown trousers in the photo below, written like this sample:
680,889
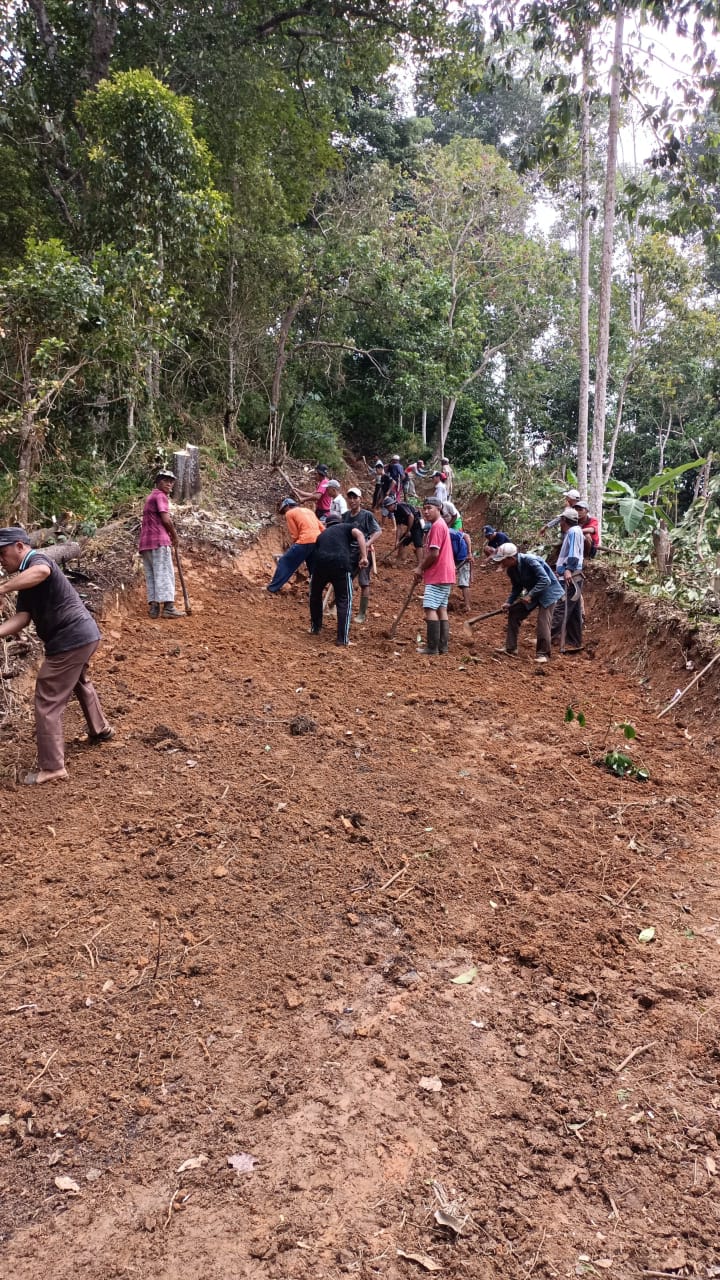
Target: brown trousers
61,676
517,615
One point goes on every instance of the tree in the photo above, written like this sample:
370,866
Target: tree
45,303
480,284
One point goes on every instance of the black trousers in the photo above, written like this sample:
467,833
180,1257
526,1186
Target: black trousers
341,581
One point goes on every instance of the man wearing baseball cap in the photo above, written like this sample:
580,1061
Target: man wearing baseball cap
359,518
568,617
70,635
571,496
305,529
590,528
494,538
533,586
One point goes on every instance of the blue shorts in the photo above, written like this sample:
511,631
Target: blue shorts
437,596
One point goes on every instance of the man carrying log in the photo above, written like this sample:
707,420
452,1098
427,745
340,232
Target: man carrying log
70,635
158,536
533,586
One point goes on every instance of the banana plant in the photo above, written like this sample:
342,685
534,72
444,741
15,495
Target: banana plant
631,508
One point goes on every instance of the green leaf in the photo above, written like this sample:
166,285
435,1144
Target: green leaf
667,476
581,719
629,730
569,715
646,935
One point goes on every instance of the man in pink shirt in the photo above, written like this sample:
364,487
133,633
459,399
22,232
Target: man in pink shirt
438,573
157,537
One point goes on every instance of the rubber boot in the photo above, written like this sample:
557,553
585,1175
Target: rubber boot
169,611
362,611
153,609
444,637
433,639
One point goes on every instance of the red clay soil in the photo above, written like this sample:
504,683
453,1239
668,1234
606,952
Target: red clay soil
234,932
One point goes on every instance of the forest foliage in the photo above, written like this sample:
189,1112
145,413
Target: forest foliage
324,227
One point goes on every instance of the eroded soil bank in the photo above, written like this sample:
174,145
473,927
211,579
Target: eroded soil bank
234,932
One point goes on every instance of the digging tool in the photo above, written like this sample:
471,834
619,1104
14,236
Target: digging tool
469,623
287,479
373,563
181,576
390,635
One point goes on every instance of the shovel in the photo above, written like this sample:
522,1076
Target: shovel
479,617
390,635
181,576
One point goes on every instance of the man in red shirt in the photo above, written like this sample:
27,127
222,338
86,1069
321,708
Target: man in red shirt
157,536
590,528
320,497
438,573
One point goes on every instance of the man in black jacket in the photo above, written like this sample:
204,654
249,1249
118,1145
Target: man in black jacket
334,564
70,635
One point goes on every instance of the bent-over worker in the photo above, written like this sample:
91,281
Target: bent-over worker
70,635
304,528
533,586
333,564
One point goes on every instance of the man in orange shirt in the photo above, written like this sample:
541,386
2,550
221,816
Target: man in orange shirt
305,528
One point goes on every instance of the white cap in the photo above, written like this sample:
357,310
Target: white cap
354,493
504,552
570,514
572,493
333,484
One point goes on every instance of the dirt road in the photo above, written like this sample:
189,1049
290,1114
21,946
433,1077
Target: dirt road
234,933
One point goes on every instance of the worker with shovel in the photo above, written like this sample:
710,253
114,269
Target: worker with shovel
158,536
70,635
332,563
437,569
533,586
567,623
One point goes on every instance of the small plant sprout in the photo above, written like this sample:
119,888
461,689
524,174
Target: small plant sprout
571,714
628,730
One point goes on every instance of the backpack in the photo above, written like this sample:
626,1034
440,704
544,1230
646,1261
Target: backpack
459,546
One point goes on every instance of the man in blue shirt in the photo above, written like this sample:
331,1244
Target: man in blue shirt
567,624
533,586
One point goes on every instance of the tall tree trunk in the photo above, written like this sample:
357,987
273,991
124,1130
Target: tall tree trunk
281,356
603,345
446,423
584,250
26,445
618,423
423,424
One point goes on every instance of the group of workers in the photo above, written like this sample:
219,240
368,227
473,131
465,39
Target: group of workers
444,556
335,543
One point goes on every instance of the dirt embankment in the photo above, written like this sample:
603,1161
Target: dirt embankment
231,938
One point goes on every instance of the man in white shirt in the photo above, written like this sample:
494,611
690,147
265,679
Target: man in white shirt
338,505
440,491
568,617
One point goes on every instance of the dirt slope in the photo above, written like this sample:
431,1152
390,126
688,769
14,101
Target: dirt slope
234,932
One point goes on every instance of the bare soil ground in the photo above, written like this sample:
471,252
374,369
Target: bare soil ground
234,932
